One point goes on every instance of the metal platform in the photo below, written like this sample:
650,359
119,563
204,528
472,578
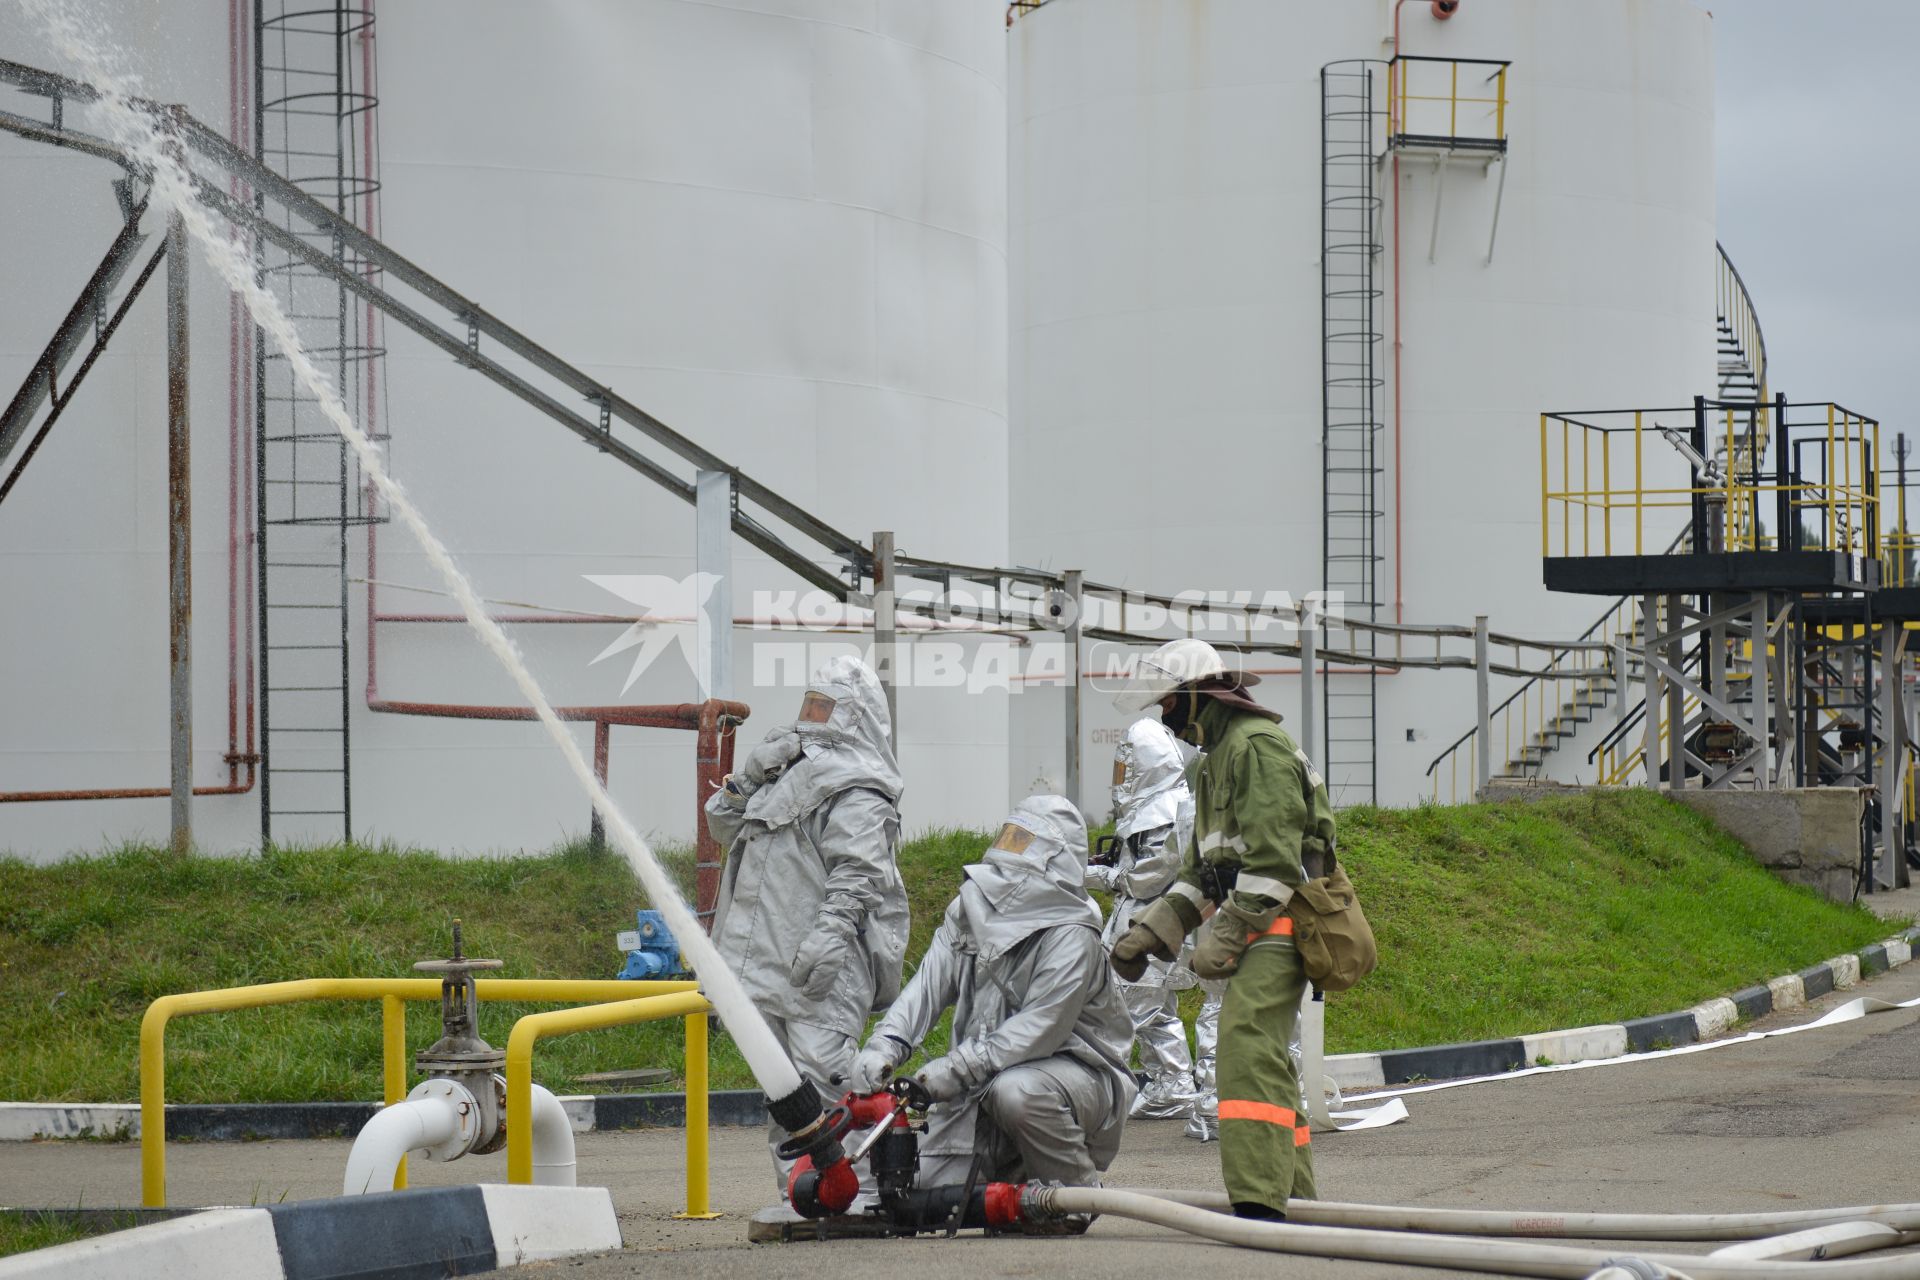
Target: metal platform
1690,573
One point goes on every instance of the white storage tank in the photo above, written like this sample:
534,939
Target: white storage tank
1167,305
778,228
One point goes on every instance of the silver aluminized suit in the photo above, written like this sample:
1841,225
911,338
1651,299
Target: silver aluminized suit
812,915
1035,1082
1153,821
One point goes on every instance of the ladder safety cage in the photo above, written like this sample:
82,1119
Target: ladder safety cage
1352,422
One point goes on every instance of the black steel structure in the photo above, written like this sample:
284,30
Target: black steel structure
312,125
1352,505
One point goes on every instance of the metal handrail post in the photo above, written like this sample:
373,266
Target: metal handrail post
535,1027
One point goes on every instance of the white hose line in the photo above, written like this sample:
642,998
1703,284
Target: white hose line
1836,1241
1464,1253
1851,1011
172,189
1546,1223
1313,1096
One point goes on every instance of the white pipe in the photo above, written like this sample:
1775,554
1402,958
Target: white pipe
1538,1223
394,1131
1503,1257
552,1141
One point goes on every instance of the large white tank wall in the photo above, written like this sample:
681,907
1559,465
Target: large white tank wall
778,228
1166,334
83,537
782,231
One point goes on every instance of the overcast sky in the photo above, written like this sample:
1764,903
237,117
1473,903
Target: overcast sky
1818,135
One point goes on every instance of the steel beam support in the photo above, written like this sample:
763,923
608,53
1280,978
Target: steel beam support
1892,861
886,632
1309,639
42,381
1650,694
1676,698
1483,719
179,542
1759,719
1071,638
713,563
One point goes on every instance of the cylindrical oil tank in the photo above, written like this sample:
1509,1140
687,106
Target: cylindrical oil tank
1167,192
778,228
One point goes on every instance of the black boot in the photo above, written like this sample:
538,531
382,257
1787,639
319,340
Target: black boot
1258,1212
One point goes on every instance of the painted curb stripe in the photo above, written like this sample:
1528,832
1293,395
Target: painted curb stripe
1753,1002
419,1234
1478,1057
1816,980
1661,1031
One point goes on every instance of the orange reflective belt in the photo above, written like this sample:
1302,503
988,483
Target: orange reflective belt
1282,927
1241,1109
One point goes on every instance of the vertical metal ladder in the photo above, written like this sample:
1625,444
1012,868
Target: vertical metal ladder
313,124
1350,291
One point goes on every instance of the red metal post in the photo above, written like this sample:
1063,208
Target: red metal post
602,744
713,754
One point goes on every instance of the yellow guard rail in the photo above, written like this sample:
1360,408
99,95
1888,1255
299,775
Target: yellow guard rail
535,1027
391,993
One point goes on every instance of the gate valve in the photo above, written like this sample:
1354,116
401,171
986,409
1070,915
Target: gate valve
460,1055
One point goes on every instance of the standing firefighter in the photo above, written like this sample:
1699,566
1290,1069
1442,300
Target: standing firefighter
1263,825
1152,825
812,914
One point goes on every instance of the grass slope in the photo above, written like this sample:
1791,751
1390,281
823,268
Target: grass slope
1492,921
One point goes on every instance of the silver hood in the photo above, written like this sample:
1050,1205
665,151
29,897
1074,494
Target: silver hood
1032,878
848,749
1149,778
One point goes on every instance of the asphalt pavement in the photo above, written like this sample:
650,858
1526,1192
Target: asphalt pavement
1824,1117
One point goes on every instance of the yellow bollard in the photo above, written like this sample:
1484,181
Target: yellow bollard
698,1205
393,1065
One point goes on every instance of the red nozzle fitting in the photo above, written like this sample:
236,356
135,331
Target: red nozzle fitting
1003,1204
1443,9
869,1109
817,1193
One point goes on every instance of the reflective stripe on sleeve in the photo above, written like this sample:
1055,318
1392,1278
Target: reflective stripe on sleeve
1265,886
1266,1112
1302,1135
1217,840
1189,892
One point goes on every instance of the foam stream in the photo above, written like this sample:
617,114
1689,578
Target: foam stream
136,130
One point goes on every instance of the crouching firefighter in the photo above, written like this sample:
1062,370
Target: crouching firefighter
1152,825
1263,825
1035,1085
812,914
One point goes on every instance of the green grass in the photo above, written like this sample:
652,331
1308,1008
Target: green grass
23,1232
1492,921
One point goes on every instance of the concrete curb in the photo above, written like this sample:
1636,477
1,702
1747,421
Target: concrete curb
26,1121
1703,1022
417,1234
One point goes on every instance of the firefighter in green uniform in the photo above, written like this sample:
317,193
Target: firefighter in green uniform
1263,825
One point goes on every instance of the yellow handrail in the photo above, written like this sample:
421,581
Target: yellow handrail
534,1027
390,992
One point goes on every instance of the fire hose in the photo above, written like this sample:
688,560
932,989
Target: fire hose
1776,1244
1040,1203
